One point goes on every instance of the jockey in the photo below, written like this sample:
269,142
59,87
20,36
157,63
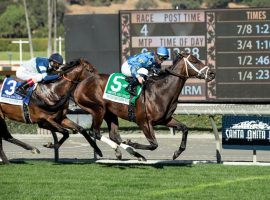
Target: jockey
137,66
36,70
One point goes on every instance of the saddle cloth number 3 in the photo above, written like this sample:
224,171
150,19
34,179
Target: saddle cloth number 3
11,87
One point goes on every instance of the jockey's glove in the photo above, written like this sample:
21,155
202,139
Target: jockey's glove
51,77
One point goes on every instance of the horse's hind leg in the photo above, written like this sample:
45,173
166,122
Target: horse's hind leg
7,136
112,123
97,111
2,153
173,123
71,125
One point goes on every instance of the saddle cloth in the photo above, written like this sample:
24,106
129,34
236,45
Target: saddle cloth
115,90
8,95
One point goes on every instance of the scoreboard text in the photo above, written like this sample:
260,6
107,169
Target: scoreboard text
234,42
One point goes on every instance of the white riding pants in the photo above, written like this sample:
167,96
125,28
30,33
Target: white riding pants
125,69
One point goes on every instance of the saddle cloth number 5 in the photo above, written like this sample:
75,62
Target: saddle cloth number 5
117,84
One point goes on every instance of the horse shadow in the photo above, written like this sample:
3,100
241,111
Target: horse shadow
113,163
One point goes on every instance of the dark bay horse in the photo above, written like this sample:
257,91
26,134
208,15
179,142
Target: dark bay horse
155,105
48,107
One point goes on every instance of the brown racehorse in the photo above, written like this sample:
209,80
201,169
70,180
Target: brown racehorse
155,105
48,107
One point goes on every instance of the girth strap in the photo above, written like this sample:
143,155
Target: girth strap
131,110
26,114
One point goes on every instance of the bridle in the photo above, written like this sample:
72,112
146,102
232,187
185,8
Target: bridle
199,72
191,65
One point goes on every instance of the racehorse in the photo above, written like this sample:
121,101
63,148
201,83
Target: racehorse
154,106
48,107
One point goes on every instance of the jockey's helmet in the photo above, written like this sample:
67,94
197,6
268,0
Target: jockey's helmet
56,60
56,57
163,53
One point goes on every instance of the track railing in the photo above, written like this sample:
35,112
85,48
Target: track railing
221,109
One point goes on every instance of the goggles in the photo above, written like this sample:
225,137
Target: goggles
162,58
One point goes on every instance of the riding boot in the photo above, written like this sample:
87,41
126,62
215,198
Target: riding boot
22,89
132,86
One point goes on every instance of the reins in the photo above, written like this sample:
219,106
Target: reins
69,69
66,78
175,74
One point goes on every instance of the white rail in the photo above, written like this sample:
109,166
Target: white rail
220,109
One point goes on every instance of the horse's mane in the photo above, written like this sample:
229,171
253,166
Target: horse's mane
164,73
71,64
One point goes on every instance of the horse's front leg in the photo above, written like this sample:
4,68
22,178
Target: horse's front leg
57,128
173,123
71,125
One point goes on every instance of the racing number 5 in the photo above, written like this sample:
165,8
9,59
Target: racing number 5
116,87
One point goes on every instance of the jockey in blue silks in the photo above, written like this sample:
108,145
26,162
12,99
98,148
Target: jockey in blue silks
38,69
137,66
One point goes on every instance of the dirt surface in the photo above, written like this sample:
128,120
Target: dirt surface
200,147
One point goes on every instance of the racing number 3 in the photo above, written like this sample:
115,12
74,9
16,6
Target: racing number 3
11,87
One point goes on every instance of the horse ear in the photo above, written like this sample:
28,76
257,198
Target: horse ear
181,54
175,55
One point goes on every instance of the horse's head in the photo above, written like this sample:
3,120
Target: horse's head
187,65
78,70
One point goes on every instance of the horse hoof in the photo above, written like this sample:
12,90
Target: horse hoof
118,153
128,141
49,145
175,155
142,159
98,152
35,151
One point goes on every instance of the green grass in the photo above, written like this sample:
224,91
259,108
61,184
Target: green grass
20,127
46,180
193,122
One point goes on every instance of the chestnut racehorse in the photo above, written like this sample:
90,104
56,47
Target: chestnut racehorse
48,107
155,105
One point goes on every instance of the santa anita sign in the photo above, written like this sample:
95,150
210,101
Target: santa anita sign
246,132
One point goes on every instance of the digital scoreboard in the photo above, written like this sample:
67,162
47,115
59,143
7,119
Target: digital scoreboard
233,42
